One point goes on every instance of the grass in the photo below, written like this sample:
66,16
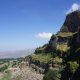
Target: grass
57,60
65,34
63,47
42,57
73,66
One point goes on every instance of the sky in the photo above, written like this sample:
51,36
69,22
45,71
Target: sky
26,24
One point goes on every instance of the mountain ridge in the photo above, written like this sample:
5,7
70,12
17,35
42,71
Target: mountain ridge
61,53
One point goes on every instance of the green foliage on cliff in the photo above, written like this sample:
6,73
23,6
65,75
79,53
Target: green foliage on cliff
42,57
40,49
57,60
52,75
63,47
65,34
73,65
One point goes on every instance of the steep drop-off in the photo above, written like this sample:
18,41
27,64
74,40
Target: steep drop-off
62,52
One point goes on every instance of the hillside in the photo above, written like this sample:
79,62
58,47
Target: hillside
61,53
17,69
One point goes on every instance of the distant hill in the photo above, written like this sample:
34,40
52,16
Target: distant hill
16,54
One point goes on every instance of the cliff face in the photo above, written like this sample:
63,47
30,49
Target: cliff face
72,22
69,28
63,49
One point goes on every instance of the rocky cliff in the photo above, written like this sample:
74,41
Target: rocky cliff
70,27
62,52
72,22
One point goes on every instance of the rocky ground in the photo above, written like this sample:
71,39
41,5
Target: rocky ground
26,73
29,74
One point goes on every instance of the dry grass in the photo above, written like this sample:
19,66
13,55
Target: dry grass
41,57
65,34
63,47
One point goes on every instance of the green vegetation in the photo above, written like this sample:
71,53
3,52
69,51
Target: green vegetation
73,66
3,67
65,34
63,47
42,57
52,75
41,49
57,60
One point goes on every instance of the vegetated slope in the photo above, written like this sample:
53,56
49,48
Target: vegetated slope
17,69
62,53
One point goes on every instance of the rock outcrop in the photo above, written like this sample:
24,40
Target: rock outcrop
72,22
64,48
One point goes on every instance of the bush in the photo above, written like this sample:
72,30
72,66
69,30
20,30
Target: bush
52,75
3,68
14,63
73,66
42,57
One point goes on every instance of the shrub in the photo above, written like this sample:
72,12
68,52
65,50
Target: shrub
52,75
73,66
42,57
2,68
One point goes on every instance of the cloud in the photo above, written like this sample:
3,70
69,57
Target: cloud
44,35
73,8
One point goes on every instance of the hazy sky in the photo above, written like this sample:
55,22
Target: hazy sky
30,23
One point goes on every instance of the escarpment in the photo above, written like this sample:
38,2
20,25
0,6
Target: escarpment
62,52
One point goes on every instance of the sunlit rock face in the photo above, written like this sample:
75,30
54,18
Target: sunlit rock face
72,22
